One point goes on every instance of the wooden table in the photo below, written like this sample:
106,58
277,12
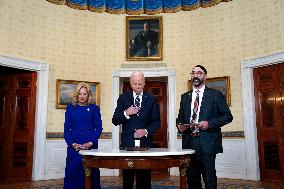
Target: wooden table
154,158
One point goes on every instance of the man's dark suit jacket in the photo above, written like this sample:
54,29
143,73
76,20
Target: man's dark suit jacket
214,110
149,118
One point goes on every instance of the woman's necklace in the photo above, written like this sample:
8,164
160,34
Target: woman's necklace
82,104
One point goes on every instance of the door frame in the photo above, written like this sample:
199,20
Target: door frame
171,75
42,70
249,114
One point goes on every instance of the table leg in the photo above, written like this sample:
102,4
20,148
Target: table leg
88,180
182,172
182,182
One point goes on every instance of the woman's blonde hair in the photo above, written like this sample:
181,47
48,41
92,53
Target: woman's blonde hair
76,93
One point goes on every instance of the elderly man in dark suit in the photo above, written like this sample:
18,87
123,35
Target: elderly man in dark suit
203,111
139,114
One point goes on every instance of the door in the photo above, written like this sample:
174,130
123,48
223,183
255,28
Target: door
17,122
269,96
159,90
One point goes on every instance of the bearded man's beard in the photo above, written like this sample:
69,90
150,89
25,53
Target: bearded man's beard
197,81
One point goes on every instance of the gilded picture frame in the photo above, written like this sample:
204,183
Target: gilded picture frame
144,38
220,83
65,90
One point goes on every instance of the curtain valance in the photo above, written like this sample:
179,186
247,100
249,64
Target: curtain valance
137,6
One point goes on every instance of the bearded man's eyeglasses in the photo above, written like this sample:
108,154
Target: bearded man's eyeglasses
198,73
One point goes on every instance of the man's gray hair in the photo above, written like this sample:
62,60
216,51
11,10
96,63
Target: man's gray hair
137,73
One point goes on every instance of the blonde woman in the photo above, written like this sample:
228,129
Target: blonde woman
82,129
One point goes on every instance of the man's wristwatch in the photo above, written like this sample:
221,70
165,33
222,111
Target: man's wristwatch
74,146
146,133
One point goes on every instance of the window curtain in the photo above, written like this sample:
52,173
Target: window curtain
136,7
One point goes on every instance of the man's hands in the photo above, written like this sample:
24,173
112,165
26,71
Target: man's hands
132,110
84,146
149,44
139,133
203,125
76,146
181,127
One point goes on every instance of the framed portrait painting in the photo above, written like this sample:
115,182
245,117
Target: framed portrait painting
220,83
144,37
65,90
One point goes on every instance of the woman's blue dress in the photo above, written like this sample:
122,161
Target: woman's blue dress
82,124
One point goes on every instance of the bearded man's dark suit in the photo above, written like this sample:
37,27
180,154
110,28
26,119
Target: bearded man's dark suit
149,119
216,112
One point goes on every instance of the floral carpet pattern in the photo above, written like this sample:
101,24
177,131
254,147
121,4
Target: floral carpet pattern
164,184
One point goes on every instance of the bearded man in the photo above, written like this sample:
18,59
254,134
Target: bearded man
203,111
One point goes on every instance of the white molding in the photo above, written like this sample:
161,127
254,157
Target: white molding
250,130
55,159
22,64
42,70
231,163
263,61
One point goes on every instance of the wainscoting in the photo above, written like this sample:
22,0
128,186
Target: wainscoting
231,164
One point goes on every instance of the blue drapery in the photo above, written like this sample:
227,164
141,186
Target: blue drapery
137,6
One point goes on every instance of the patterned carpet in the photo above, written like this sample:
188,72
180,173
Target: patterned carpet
165,184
